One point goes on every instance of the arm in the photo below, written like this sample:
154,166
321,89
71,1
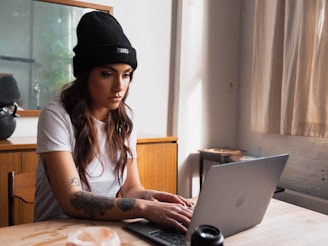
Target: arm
66,185
75,202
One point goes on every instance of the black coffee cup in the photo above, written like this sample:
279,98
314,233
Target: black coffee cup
207,235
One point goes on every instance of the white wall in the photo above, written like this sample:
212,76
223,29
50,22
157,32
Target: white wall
207,83
148,26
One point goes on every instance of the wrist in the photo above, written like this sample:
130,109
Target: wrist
142,206
143,194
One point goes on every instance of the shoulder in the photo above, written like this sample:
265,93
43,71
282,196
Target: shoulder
54,106
54,109
55,130
54,115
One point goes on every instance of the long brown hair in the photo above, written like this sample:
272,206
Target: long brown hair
118,126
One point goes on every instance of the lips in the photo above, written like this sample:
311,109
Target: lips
115,98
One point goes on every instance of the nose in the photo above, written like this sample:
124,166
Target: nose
118,84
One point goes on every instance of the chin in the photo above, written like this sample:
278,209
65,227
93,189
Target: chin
113,107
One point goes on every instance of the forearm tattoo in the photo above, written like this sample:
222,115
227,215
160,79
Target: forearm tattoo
94,205
126,204
91,204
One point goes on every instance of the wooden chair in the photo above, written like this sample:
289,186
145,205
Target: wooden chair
21,189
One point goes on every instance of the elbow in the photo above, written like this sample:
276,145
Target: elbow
71,205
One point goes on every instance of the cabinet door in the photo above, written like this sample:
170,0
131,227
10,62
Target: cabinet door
25,211
8,161
157,164
29,161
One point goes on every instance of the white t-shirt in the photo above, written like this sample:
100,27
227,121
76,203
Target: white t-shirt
56,133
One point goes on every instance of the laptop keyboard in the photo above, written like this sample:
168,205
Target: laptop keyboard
170,235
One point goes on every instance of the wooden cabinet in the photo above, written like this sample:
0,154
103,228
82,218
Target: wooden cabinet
157,164
18,155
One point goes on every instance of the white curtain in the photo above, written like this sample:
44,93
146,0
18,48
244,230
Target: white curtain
290,68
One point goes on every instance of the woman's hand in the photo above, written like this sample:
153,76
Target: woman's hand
176,215
154,195
159,207
169,209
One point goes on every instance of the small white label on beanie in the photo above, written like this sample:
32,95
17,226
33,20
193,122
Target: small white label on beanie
122,50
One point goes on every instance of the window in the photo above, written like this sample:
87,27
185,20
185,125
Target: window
290,68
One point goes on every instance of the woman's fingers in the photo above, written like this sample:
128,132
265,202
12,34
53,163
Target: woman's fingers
179,217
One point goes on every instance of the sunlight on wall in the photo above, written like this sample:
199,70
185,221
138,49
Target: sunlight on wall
195,186
192,79
194,114
191,98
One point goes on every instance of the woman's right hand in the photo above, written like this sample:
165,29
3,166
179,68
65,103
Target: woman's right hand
172,214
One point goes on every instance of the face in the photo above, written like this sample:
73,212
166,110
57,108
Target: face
107,86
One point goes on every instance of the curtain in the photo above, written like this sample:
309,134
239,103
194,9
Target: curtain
290,68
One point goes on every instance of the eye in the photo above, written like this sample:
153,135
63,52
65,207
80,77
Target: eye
127,75
106,74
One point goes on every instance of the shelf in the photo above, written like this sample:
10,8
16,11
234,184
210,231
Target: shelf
17,59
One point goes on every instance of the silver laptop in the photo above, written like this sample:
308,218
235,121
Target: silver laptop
234,198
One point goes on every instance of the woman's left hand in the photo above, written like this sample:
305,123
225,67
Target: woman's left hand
161,196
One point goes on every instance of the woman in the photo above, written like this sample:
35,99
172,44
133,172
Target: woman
86,141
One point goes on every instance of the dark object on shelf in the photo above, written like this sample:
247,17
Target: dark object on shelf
7,121
9,91
279,189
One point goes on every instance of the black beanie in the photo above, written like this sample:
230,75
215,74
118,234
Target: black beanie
101,40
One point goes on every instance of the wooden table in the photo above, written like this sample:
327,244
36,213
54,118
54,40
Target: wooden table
283,224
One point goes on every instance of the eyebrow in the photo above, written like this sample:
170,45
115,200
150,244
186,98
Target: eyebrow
130,69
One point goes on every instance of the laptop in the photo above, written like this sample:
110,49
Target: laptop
234,197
